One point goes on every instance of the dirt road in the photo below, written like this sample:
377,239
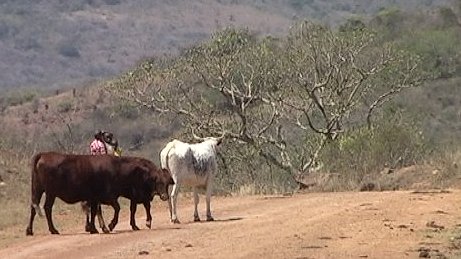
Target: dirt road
313,225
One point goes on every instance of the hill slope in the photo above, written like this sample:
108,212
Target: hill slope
58,43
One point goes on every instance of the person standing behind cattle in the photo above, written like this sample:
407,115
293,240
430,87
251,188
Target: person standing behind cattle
97,146
102,144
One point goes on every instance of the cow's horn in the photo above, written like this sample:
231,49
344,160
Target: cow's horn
222,135
195,136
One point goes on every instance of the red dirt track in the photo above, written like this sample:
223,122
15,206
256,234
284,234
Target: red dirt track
311,225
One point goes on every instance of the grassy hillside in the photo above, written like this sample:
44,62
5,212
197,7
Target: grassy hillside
60,43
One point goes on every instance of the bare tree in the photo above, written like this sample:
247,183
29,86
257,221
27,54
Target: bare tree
333,77
283,99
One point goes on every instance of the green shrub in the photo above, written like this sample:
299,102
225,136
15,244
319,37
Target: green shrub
448,16
14,98
363,150
389,21
126,111
352,24
439,49
238,175
64,106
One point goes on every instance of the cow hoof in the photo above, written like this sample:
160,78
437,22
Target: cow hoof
196,219
105,230
94,231
29,232
209,219
135,228
112,226
54,232
175,221
149,224
87,228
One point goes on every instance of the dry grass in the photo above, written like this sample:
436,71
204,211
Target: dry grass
15,194
437,175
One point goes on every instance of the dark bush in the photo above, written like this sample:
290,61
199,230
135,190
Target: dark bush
69,51
112,2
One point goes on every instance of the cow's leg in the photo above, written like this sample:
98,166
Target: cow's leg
93,212
133,206
49,201
149,216
170,200
208,200
114,221
29,230
36,197
86,208
196,201
173,200
102,224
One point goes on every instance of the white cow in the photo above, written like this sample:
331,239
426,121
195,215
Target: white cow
191,165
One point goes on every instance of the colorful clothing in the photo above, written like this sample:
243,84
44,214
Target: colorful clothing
97,147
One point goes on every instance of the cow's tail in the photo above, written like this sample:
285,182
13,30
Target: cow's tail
35,196
164,155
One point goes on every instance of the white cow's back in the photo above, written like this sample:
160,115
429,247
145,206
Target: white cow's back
190,164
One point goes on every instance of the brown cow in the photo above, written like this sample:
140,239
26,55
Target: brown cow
95,179
133,207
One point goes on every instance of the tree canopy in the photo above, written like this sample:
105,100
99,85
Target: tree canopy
279,100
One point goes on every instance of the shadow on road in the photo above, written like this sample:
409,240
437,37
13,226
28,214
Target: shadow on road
225,220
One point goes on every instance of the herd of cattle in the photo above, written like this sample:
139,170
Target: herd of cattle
102,179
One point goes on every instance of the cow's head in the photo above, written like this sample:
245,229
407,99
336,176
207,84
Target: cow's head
163,181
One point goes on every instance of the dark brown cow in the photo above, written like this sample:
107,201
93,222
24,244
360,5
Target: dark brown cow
94,179
133,206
